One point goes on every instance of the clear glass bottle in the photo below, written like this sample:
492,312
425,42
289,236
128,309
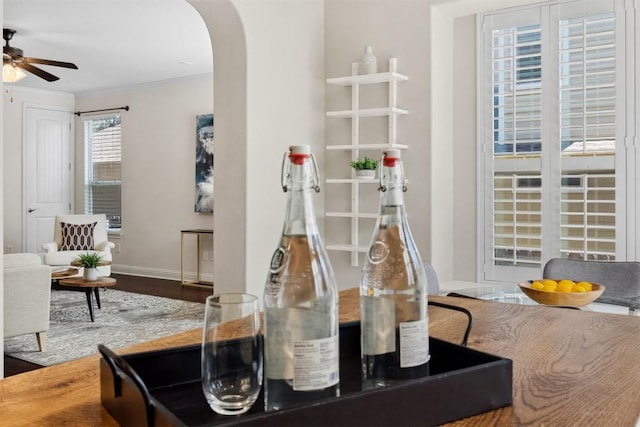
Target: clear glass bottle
300,299
393,290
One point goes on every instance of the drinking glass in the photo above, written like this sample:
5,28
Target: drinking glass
231,353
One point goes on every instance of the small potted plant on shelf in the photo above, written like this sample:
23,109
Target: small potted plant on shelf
90,262
365,167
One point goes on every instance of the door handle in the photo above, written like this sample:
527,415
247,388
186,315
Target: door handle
31,210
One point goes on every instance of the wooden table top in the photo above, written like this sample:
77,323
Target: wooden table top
66,272
80,282
570,367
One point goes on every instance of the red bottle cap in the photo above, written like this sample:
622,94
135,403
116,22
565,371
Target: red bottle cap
299,153
390,157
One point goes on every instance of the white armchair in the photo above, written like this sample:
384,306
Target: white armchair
77,234
26,297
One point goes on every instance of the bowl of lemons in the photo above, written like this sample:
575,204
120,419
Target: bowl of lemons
563,292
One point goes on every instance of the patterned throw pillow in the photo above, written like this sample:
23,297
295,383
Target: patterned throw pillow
77,237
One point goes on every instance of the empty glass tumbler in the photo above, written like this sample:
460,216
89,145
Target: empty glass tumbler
231,353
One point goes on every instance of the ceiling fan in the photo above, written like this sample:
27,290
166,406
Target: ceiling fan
13,60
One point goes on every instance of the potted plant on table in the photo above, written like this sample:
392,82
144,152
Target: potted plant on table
90,262
365,167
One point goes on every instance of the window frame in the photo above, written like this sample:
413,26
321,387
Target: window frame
623,161
88,169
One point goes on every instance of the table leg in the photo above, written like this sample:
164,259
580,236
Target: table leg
89,294
97,294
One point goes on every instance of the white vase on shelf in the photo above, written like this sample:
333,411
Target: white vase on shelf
368,63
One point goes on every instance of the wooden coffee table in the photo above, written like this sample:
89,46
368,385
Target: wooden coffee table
58,273
90,288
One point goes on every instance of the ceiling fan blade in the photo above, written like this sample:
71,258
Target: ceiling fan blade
49,62
37,71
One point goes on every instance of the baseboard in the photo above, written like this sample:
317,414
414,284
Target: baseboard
157,273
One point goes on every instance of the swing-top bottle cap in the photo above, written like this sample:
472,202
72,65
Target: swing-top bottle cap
390,157
391,153
300,149
299,154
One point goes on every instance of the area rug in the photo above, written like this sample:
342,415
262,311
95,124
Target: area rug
125,319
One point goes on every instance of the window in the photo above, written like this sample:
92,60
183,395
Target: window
551,136
103,172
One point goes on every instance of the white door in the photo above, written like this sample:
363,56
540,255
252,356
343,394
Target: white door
47,173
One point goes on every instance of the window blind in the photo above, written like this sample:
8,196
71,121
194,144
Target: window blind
103,168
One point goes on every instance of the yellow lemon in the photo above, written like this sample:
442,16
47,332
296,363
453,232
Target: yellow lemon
549,282
536,285
586,285
565,286
578,288
567,282
550,287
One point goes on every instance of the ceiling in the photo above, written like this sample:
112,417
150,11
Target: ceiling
114,43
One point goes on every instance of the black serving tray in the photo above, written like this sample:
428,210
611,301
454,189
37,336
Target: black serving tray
161,388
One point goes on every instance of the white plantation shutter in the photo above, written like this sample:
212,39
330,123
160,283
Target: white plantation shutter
548,137
588,136
517,219
103,168
516,63
588,216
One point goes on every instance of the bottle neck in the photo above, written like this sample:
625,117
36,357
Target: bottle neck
392,181
300,216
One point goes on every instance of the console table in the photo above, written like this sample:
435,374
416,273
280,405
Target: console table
197,232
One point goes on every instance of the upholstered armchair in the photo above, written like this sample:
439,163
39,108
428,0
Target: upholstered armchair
77,234
26,297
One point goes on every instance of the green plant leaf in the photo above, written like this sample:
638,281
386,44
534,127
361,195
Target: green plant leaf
365,163
89,259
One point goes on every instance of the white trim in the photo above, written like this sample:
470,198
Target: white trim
157,273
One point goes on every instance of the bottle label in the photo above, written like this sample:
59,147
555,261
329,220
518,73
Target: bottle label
378,325
284,327
414,343
316,363
277,264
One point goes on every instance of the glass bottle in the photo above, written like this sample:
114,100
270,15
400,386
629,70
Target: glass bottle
393,290
300,299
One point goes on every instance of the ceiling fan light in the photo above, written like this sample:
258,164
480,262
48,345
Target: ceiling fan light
11,73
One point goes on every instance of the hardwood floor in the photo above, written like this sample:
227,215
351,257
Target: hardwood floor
140,285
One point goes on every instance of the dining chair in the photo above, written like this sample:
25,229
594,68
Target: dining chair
621,279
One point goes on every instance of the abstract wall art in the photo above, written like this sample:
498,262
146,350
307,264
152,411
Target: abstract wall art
204,164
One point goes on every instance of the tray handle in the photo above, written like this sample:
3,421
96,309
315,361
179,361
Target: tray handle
120,367
462,310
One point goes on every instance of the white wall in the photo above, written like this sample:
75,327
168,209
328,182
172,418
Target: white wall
394,28
158,173
158,170
282,43
464,149
285,100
